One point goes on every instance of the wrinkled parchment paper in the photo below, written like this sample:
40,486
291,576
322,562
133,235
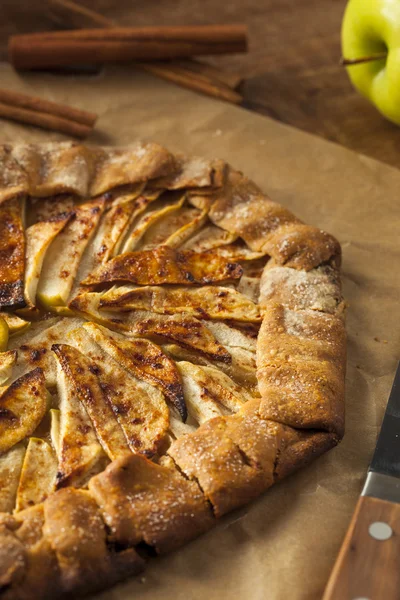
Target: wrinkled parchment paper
281,547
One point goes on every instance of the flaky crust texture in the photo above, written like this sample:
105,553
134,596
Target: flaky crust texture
79,541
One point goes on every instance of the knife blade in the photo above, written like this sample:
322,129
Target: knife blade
368,564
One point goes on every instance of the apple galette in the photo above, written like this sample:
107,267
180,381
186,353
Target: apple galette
172,345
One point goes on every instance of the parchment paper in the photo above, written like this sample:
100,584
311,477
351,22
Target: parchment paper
282,546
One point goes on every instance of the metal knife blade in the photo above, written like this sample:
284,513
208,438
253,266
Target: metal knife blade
383,479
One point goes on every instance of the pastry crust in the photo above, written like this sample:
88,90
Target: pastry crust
231,342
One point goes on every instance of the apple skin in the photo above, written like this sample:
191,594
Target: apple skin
372,27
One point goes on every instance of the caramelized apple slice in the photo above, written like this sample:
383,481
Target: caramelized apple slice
80,454
62,259
38,474
81,373
139,407
165,265
10,470
146,361
38,239
12,252
214,302
16,422
184,330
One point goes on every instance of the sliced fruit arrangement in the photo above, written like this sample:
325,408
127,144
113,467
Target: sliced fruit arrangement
140,408
146,361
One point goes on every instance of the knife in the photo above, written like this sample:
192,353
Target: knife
368,564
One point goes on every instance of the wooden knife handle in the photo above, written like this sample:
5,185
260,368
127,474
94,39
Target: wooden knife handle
368,565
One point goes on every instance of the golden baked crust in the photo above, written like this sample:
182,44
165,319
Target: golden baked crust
185,351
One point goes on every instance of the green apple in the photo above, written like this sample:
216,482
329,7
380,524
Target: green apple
371,32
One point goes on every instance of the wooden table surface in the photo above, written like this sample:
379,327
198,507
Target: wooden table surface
292,70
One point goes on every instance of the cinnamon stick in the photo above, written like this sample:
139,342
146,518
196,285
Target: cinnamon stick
232,80
69,14
61,48
191,80
43,113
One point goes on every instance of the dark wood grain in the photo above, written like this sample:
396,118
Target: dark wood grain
366,567
292,70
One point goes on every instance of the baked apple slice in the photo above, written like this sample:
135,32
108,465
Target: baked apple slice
81,373
80,454
62,258
10,470
210,302
7,361
145,360
38,239
165,265
16,422
15,324
12,252
38,474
